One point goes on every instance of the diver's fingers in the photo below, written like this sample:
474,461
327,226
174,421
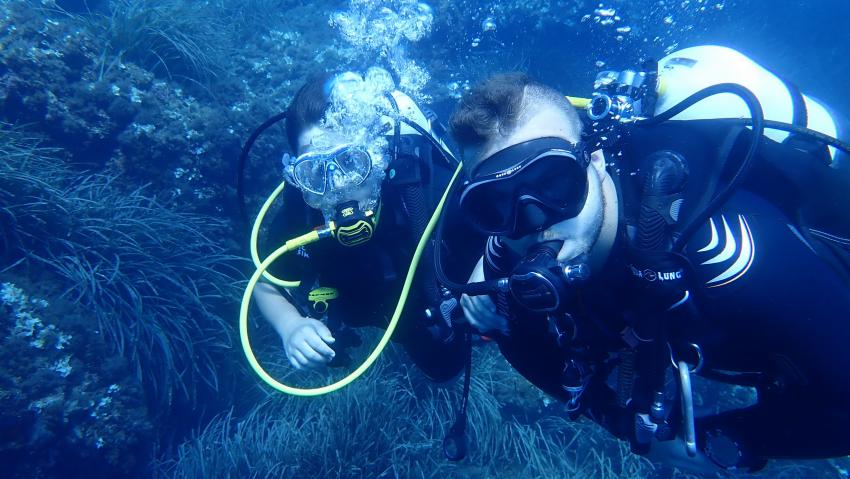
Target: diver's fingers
293,362
498,321
324,333
312,355
484,307
470,309
318,344
300,361
481,313
471,312
487,303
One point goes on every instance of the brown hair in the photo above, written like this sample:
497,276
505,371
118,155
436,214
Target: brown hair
307,108
495,107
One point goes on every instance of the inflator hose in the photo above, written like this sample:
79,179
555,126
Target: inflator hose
414,201
243,160
757,119
439,146
665,176
799,130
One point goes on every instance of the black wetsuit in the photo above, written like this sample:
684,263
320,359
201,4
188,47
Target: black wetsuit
369,277
768,296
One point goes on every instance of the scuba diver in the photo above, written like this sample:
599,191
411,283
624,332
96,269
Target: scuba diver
367,165
694,222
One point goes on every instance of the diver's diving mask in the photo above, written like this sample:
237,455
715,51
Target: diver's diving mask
318,172
527,187
523,189
334,180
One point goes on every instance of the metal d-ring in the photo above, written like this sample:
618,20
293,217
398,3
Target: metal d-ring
685,370
693,369
688,409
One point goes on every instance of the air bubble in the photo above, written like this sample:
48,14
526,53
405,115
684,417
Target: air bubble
488,25
380,79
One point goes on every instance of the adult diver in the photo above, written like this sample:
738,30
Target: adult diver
695,221
367,172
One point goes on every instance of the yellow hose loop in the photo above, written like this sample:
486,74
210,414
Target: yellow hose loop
382,344
580,103
255,234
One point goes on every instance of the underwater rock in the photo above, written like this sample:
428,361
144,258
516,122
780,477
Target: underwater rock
66,403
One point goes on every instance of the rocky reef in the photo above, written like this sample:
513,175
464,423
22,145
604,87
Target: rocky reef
69,403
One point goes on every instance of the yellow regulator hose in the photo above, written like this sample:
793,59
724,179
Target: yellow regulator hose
307,239
580,103
255,234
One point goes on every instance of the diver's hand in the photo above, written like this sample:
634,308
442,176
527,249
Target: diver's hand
481,314
480,311
306,342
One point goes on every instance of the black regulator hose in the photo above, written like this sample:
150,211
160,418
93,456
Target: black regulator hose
448,155
455,442
243,160
471,289
414,201
799,130
757,120
746,95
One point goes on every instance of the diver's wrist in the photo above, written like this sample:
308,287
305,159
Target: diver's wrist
285,323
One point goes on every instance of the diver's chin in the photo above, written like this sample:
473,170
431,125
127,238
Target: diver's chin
573,249
578,234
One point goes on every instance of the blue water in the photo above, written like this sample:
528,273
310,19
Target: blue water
805,42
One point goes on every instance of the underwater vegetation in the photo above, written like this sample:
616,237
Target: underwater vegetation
148,275
170,35
390,424
108,311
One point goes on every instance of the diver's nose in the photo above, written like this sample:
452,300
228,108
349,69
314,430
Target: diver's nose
530,219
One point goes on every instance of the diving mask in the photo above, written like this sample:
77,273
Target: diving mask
334,181
336,168
527,187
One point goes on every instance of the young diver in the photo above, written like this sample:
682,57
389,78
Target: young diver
705,248
378,179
